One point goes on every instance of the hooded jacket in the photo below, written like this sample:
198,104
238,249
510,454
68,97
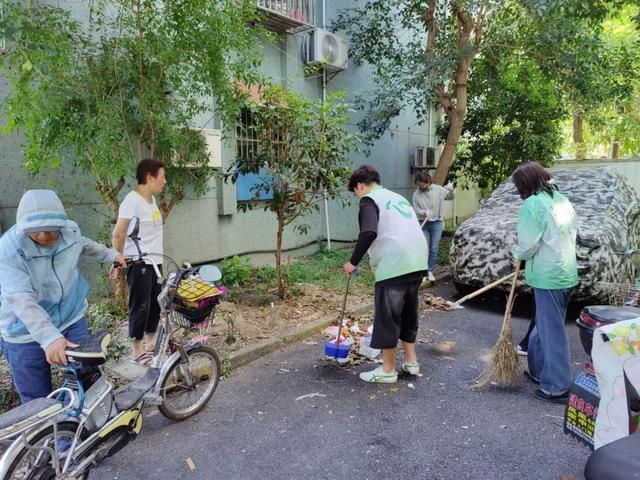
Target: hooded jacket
42,290
547,241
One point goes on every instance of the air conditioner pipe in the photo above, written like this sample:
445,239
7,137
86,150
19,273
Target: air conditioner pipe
324,99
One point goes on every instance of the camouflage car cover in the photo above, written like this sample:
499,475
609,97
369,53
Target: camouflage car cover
608,211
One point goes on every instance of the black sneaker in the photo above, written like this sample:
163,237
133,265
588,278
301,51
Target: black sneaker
562,398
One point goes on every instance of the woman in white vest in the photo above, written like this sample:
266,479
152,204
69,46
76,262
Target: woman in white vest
390,232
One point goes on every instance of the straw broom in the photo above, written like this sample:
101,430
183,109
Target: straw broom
504,367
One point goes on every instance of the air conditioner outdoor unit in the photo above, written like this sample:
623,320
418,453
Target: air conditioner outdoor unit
425,157
327,49
212,138
213,144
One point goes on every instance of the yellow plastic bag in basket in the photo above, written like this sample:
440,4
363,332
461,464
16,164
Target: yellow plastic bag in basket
194,289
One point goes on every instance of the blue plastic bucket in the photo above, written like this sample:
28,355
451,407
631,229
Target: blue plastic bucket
340,351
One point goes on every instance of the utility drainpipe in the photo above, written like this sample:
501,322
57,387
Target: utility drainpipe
324,99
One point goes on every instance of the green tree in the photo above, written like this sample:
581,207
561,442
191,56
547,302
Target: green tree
421,52
124,81
617,123
515,115
301,156
567,39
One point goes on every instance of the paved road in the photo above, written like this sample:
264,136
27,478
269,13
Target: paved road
440,429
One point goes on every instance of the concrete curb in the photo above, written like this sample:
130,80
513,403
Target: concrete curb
253,352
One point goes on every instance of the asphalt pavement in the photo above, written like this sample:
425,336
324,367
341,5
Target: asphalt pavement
433,427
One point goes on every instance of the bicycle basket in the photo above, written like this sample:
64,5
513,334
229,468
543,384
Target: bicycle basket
194,302
622,294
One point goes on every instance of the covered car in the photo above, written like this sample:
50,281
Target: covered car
608,220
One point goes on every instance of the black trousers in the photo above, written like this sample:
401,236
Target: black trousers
144,311
396,314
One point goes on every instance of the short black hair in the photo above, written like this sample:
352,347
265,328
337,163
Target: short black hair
366,174
146,167
531,178
423,176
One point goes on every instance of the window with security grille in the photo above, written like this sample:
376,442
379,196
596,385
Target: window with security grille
246,140
247,145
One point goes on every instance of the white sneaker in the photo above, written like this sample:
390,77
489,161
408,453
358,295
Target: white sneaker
379,376
520,351
411,368
431,277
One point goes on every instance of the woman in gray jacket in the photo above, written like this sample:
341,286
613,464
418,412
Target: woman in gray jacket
428,201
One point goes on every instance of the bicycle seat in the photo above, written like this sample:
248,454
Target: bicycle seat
93,351
27,414
129,395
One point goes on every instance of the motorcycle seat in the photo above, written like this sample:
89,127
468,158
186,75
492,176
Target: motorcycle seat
27,414
617,460
93,351
129,395
611,314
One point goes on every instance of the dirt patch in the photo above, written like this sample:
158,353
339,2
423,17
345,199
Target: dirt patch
243,323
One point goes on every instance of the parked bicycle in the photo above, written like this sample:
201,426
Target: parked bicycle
66,434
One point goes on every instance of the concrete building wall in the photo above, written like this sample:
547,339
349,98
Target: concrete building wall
209,227
630,169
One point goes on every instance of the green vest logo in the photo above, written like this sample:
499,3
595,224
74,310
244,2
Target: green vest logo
401,207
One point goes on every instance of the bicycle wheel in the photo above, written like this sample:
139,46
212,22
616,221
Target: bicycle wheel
37,465
181,401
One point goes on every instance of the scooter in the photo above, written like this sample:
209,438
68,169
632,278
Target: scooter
618,460
617,436
65,435
582,406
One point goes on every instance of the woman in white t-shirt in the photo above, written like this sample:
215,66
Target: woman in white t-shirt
144,311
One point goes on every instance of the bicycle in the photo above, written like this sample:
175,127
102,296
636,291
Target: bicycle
66,434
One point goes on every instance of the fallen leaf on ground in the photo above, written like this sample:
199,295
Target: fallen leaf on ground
443,347
310,395
434,302
191,465
395,389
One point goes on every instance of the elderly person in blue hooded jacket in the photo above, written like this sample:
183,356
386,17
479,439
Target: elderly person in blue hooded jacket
43,295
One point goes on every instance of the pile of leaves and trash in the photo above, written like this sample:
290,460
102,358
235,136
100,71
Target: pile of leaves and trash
356,334
433,303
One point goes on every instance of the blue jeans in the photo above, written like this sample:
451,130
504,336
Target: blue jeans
432,231
549,356
29,367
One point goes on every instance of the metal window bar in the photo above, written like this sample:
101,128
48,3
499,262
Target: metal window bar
300,10
246,139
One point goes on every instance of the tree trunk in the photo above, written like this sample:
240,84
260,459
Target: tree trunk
469,37
282,292
615,148
121,293
578,134
109,194
456,122
456,114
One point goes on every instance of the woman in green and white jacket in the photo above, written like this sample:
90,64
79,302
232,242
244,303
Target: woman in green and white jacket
547,242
